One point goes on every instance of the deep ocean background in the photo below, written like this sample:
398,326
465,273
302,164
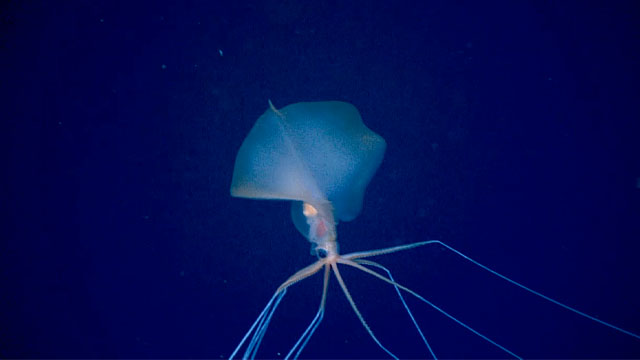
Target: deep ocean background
513,136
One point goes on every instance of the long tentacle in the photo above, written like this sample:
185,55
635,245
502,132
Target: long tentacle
377,252
404,303
355,309
567,307
369,271
308,333
277,297
256,340
261,324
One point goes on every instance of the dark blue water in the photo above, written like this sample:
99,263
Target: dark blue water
512,133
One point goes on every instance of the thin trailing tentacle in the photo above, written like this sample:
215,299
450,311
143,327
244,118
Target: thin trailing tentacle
308,333
262,322
369,271
363,254
277,297
256,340
355,309
545,297
404,303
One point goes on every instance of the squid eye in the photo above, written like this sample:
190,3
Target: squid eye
321,253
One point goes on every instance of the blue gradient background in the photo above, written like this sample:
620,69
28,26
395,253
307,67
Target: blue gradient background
512,131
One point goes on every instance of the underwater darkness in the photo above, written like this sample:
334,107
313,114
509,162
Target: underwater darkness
513,135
